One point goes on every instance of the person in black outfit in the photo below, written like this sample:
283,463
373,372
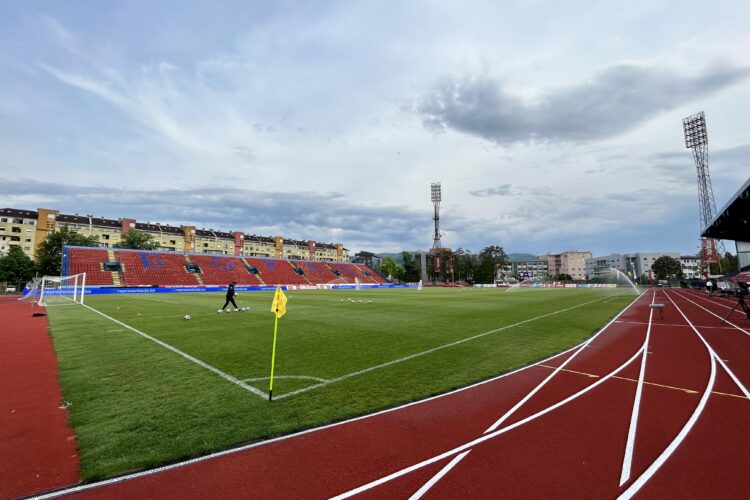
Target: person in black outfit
230,298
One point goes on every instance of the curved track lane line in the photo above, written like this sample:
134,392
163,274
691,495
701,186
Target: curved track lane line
487,437
669,450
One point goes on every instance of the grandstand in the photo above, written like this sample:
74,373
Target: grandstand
277,272
222,269
90,261
350,272
317,272
140,268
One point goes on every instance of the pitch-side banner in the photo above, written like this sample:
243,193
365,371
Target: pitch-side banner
708,250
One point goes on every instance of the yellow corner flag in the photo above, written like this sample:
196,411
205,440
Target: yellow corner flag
279,302
278,307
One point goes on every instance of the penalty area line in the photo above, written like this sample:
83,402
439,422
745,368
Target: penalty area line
185,355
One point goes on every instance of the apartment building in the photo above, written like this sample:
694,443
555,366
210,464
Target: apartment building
27,229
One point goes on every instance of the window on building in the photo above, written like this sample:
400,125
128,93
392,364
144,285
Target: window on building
15,230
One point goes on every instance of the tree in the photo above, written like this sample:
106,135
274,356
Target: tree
137,240
411,268
390,269
729,264
16,266
666,267
491,259
563,277
49,252
465,263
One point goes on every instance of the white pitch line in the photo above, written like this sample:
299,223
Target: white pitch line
135,296
664,456
627,461
185,355
437,477
428,351
486,437
304,377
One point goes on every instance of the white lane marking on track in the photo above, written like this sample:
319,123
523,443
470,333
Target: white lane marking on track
239,449
627,460
185,355
429,484
549,377
713,314
534,391
434,349
664,456
721,361
487,437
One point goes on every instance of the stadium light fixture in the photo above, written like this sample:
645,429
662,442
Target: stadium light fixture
436,194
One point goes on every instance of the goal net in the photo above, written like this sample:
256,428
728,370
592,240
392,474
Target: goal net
56,290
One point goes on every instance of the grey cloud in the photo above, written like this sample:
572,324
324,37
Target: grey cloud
503,190
610,102
326,217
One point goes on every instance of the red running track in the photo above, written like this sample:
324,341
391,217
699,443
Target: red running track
37,448
668,396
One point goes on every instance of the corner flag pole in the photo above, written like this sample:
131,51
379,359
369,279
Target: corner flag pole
278,308
273,354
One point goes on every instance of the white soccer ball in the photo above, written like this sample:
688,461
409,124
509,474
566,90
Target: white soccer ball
187,316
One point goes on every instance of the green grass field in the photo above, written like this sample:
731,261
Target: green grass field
135,404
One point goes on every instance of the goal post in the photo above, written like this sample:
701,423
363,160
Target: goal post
57,290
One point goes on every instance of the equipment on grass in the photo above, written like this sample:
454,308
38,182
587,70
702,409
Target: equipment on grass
186,317
57,290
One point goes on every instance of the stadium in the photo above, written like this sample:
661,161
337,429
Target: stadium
160,389
304,323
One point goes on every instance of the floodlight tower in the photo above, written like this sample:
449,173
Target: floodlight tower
436,198
696,138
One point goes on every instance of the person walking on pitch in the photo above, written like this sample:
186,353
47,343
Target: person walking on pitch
230,298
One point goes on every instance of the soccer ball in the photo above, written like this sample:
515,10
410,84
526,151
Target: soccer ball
187,316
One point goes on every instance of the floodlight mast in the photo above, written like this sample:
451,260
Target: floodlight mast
436,198
696,138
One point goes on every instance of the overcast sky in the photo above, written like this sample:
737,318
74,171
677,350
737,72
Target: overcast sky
552,126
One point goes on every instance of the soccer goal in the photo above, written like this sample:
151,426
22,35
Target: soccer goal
57,290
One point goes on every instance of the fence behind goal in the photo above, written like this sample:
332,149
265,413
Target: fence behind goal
56,290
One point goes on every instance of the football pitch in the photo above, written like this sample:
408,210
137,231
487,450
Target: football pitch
145,387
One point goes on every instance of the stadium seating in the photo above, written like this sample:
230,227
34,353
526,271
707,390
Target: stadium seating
350,271
222,269
91,262
142,268
277,272
316,272
149,268
371,275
